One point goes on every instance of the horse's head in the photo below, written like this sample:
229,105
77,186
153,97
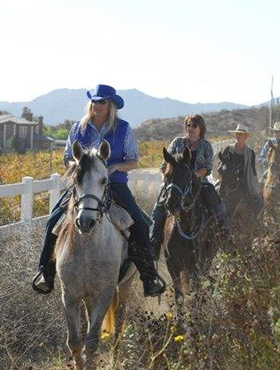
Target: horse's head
228,174
179,181
90,180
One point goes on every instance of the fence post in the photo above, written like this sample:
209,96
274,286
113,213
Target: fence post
27,200
55,191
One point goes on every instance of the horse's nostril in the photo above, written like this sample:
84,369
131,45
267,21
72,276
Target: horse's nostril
92,223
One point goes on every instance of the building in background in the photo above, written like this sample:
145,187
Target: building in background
23,133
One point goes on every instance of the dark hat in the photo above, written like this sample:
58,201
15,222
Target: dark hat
106,92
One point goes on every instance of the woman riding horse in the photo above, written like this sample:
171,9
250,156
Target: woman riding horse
99,123
201,163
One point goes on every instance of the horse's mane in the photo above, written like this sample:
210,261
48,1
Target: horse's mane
271,154
74,174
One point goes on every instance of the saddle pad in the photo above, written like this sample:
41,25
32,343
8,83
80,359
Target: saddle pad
120,217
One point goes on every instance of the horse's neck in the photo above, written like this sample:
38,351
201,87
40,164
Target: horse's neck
191,215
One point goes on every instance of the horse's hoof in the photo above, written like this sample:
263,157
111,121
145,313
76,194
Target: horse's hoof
180,299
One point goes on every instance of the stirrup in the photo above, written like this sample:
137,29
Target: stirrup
155,281
34,284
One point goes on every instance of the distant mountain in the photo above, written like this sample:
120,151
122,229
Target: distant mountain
217,123
62,104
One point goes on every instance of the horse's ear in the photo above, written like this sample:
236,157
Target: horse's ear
104,150
167,156
187,155
77,151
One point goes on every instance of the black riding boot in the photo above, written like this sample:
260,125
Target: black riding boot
157,230
43,283
153,284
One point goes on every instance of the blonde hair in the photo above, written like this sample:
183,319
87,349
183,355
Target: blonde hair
112,119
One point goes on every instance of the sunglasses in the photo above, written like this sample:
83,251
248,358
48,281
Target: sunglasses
277,131
194,125
102,101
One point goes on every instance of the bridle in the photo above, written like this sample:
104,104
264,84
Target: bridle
183,197
103,204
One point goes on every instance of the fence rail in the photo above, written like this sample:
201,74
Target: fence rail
139,179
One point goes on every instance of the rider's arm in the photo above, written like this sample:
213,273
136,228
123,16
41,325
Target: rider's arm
254,163
263,155
204,159
131,154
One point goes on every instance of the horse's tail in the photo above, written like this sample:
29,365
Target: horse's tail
108,324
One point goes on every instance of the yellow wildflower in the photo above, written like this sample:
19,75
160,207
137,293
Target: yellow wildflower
179,338
168,315
104,336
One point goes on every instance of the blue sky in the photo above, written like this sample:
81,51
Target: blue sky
193,51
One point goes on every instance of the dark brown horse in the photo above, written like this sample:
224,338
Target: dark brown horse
242,207
190,239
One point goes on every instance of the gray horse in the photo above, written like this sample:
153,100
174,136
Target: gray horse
89,253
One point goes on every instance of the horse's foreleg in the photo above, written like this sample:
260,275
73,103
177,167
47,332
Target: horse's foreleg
96,312
124,289
177,284
74,340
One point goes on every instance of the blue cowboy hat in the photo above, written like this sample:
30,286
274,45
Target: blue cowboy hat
106,92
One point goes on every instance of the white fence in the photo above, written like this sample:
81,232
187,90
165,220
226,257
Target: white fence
139,179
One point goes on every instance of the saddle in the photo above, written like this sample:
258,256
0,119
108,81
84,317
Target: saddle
117,215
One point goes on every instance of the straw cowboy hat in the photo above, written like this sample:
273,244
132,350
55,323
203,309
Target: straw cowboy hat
240,129
276,126
106,92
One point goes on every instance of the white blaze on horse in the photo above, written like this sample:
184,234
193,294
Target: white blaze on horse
89,253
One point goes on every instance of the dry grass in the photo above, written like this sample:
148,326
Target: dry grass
232,322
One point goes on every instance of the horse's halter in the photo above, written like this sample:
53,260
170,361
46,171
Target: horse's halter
103,204
183,193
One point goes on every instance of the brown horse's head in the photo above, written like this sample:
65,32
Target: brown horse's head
228,174
181,182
